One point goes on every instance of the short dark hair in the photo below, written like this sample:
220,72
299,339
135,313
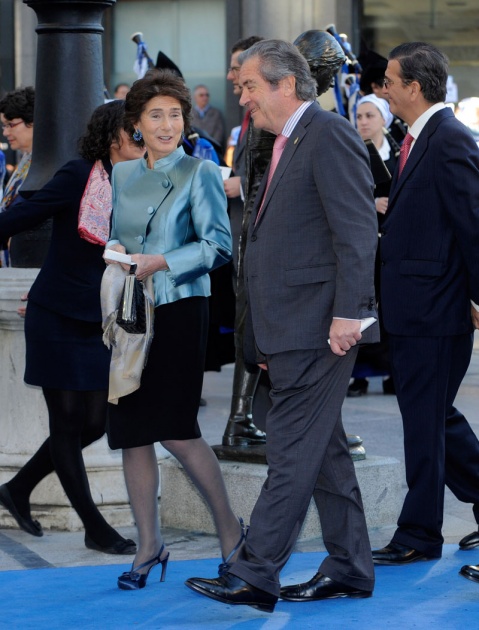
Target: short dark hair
425,64
247,42
19,104
155,83
103,130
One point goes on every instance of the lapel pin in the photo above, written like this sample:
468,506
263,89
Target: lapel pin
295,140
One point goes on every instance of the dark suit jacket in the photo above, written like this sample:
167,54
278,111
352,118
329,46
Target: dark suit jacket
311,255
430,235
69,281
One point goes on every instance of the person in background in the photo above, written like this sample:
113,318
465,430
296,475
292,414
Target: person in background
430,297
205,116
65,355
373,119
121,90
16,116
169,214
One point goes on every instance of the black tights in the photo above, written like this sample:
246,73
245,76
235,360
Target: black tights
76,420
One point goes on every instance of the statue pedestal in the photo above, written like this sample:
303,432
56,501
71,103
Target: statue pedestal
24,427
183,507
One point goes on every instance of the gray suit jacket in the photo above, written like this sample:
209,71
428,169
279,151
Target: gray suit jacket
311,254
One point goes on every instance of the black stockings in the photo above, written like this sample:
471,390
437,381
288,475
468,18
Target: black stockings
76,420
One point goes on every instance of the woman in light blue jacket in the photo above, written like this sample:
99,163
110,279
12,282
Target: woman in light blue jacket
169,214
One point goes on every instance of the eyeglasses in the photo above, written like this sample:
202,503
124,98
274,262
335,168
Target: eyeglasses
234,68
203,94
11,125
388,82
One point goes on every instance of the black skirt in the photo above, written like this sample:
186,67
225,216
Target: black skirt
64,353
165,407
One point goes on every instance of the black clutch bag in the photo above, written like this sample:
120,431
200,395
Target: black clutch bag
131,314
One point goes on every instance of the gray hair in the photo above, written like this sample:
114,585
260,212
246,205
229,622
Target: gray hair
425,64
280,59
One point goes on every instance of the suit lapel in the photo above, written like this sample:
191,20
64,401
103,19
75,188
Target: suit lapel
289,150
416,155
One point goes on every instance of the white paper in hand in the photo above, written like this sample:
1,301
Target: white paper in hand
110,254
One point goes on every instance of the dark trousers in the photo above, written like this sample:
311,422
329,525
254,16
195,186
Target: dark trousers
440,446
307,454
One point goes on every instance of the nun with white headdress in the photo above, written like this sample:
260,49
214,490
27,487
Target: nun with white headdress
373,119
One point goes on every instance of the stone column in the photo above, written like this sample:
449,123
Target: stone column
24,427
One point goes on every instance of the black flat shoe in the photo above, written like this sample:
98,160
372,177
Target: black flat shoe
225,566
122,547
470,541
359,387
132,580
470,572
320,587
398,554
27,524
230,589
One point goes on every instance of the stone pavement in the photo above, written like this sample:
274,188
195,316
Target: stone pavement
375,417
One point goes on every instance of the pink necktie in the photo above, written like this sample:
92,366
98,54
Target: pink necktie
404,152
278,146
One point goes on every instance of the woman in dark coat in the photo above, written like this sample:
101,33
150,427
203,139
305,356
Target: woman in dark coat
65,355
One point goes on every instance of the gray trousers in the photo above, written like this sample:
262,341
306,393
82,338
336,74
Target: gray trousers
308,456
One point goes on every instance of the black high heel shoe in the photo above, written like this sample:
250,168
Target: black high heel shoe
132,580
225,566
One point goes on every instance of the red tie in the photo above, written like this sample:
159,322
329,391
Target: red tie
404,152
278,146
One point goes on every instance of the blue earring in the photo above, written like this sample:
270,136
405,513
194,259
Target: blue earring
137,136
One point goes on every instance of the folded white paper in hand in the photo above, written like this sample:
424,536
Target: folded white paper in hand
365,324
110,254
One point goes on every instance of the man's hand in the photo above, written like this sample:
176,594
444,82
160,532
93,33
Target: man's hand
475,317
343,335
233,186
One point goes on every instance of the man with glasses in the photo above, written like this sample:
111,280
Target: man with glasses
430,297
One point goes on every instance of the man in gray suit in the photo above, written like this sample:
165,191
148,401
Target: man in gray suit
309,267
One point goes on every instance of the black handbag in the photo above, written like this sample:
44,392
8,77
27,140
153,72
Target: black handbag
131,314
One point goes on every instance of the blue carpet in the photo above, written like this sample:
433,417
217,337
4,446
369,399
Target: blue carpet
421,595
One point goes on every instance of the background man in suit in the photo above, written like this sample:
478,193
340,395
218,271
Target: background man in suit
429,276
251,155
309,273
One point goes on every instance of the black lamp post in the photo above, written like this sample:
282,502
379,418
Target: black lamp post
69,85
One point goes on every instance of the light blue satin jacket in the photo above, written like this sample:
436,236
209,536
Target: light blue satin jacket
177,209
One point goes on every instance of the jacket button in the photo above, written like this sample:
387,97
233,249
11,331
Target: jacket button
140,239
150,210
165,183
253,238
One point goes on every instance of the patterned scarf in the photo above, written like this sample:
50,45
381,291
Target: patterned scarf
15,181
95,207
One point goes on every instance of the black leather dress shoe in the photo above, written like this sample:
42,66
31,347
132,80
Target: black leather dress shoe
359,387
395,553
230,589
320,587
470,541
470,572
27,524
